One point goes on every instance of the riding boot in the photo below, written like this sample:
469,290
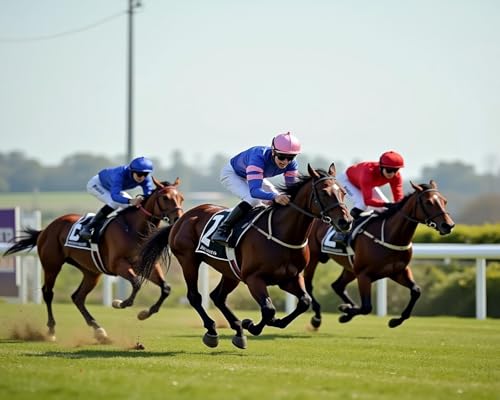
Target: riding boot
223,232
86,232
356,212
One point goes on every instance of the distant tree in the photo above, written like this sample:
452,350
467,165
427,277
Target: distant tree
481,209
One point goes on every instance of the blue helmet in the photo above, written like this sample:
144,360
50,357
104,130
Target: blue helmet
141,164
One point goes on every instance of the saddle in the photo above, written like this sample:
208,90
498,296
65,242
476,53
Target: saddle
73,239
208,247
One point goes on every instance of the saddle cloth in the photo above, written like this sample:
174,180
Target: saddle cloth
73,240
214,250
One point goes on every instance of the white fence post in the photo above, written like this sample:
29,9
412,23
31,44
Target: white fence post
481,288
382,297
204,285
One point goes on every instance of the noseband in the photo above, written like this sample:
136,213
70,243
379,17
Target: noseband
429,219
165,214
315,199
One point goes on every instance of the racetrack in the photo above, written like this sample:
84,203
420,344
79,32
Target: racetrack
425,358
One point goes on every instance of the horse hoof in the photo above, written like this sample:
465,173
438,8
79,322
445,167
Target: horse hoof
344,307
101,336
344,318
51,338
394,322
117,303
315,322
144,314
211,340
240,342
245,324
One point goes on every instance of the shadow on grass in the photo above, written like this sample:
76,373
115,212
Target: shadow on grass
87,354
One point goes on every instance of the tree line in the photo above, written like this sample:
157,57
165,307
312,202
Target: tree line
472,196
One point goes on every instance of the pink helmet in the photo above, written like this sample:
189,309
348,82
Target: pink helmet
286,143
391,159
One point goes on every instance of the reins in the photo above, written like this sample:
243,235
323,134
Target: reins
155,219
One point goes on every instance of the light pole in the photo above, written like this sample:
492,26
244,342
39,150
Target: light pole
132,5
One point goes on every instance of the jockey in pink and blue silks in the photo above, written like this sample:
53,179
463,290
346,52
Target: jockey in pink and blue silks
245,177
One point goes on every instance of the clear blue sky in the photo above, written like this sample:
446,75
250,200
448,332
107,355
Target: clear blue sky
350,78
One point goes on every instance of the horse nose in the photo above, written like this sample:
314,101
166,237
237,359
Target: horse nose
446,228
344,224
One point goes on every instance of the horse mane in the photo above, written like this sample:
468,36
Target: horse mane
399,205
302,179
126,210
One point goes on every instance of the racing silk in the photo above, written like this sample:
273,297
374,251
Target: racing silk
366,175
119,179
257,163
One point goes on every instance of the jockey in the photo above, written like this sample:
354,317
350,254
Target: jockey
362,181
245,176
109,186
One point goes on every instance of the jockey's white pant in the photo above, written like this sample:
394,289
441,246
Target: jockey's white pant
239,186
357,197
95,188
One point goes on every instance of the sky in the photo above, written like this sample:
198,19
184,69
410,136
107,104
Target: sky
351,79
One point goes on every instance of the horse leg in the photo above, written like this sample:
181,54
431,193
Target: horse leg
88,283
339,287
405,278
190,270
308,282
50,274
158,278
124,269
297,288
365,290
258,289
219,297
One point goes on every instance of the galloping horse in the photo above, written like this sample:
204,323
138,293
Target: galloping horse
382,249
118,250
273,251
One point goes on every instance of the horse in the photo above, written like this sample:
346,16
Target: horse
118,248
273,251
382,248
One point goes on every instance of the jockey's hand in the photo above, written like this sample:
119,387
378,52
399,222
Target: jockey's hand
390,205
282,199
136,201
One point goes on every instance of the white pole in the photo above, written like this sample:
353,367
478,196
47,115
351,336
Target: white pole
290,303
204,286
382,297
481,288
107,290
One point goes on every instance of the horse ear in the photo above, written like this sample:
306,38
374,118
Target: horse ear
433,183
332,170
177,181
157,183
416,187
312,171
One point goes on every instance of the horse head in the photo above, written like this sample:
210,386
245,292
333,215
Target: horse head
328,199
429,207
165,203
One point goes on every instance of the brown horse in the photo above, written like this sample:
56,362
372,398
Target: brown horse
382,249
118,249
272,252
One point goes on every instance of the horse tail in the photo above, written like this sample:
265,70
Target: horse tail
155,247
24,242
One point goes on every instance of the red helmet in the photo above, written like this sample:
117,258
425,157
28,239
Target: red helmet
391,159
286,143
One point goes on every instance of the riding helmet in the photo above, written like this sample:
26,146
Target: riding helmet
391,159
286,143
141,164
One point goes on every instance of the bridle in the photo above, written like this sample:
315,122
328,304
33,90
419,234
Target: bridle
429,219
315,199
164,216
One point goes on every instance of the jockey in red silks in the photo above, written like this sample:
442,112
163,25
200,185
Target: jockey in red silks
245,177
362,181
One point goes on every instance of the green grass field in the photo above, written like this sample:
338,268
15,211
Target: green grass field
426,358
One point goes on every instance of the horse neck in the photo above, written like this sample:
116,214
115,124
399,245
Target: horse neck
139,220
291,224
399,229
